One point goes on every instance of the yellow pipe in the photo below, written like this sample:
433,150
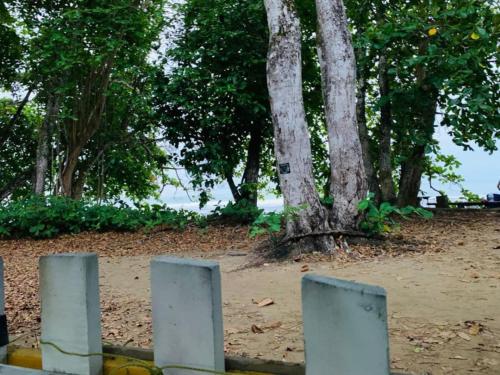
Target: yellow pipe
32,358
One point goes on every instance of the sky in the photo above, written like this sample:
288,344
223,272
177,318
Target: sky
480,169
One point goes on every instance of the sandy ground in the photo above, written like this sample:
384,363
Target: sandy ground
444,298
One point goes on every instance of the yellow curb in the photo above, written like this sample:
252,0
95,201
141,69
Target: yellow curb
32,358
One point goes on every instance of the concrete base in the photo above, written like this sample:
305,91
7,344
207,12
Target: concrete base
345,327
71,318
187,314
11,370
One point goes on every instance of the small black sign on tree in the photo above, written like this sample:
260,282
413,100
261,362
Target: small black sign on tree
284,168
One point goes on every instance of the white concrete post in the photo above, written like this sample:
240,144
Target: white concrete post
71,317
4,336
187,314
345,327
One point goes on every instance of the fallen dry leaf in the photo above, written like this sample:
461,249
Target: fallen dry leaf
265,302
464,336
256,329
304,268
475,329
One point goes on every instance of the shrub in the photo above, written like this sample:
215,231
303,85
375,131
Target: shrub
272,223
45,217
378,220
242,212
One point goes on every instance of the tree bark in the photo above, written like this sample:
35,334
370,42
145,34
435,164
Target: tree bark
291,135
425,113
388,193
411,175
338,76
250,177
373,184
42,151
89,107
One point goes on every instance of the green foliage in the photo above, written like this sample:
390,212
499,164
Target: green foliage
470,196
379,220
17,148
45,217
214,98
242,212
11,52
272,223
443,168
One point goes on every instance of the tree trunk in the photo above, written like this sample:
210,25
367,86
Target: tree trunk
232,186
411,175
425,113
68,170
338,76
89,107
291,136
250,178
42,151
388,193
373,184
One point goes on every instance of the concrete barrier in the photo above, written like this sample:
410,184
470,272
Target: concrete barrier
345,327
187,314
71,318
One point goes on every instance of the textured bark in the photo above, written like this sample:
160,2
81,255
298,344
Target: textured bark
250,178
425,113
89,107
373,184
42,151
411,175
338,75
388,193
291,136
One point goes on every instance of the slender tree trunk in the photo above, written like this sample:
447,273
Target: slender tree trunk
251,175
68,170
232,186
88,109
42,151
388,193
291,136
338,75
373,184
425,113
411,176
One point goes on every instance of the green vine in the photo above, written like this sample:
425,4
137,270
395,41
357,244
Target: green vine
134,362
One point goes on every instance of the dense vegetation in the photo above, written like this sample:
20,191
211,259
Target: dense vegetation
108,99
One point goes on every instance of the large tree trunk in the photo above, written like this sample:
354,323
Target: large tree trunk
373,184
388,193
338,75
291,136
42,151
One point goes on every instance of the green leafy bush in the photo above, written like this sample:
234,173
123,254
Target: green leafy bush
45,217
380,219
242,212
272,223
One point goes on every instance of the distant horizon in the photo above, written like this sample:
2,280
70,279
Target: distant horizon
480,170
